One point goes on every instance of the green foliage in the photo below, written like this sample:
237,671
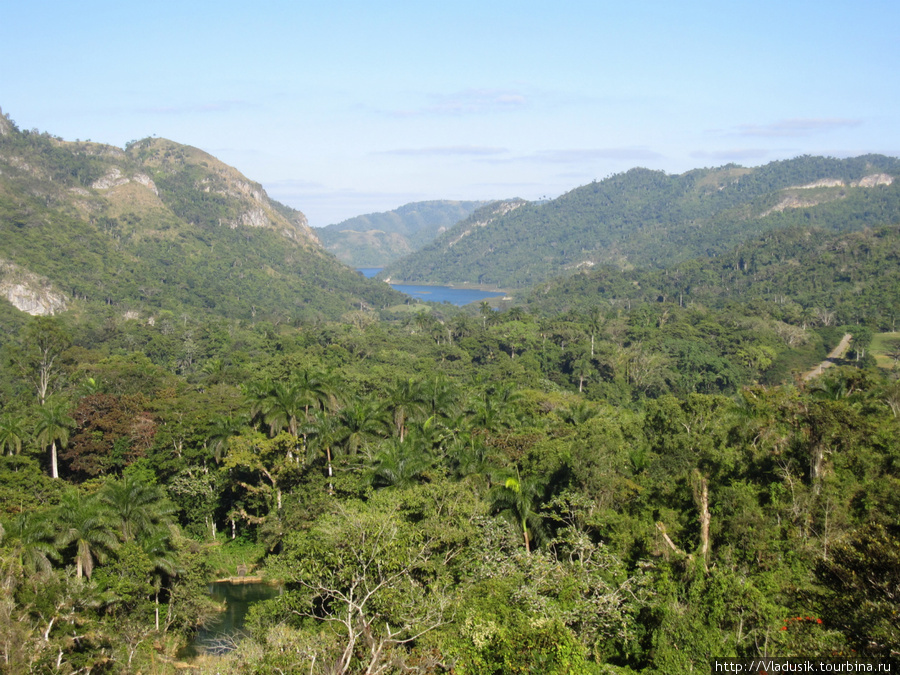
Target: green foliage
846,278
861,577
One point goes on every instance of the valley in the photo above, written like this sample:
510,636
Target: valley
624,464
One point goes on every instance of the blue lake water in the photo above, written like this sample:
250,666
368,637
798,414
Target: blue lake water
455,296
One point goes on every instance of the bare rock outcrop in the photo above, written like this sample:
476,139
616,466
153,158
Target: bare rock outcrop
29,292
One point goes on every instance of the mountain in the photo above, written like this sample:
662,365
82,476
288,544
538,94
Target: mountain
158,226
377,239
650,218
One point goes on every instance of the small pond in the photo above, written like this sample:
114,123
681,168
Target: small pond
217,635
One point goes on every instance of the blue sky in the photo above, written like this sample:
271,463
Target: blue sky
341,108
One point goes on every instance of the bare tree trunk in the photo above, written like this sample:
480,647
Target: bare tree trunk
816,462
704,520
54,471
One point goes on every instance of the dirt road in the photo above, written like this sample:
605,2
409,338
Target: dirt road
835,353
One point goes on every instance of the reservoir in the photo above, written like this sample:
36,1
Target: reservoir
455,296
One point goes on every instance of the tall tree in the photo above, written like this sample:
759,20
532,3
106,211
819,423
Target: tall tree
517,500
53,426
29,536
136,506
83,522
39,354
360,422
404,399
12,434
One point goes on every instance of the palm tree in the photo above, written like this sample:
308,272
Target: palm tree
469,456
316,390
136,507
405,400
157,545
583,369
53,426
579,413
223,429
595,321
486,311
493,407
12,434
517,500
279,405
438,396
83,522
30,538
400,464
358,423
322,433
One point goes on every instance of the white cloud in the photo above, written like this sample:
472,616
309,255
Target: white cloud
469,102
735,154
587,155
195,108
446,151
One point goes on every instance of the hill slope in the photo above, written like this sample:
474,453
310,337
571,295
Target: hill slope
156,226
377,239
649,218
802,276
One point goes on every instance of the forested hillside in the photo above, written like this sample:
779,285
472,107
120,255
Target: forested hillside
377,239
801,275
158,227
648,218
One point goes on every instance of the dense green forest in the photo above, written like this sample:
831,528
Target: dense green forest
600,491
799,275
377,239
627,472
645,218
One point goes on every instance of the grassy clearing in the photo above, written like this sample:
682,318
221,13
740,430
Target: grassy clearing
226,556
884,347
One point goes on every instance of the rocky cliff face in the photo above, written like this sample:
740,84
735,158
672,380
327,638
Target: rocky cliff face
824,191
28,292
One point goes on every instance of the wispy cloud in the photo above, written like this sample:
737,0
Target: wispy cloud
469,102
736,154
587,155
446,151
195,108
792,128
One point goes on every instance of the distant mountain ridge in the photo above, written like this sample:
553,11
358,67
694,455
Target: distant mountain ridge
649,218
158,226
377,239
